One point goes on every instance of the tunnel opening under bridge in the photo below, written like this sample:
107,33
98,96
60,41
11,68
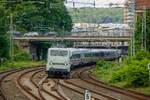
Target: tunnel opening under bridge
38,50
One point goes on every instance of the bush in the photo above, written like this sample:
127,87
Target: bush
119,75
102,70
142,55
22,56
104,64
132,72
134,75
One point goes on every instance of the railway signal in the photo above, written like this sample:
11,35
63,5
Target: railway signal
87,95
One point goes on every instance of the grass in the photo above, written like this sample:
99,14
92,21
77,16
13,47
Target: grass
145,90
19,64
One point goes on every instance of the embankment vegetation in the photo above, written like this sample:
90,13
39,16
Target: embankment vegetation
20,60
131,73
7,65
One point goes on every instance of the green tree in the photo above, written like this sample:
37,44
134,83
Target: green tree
42,16
138,32
33,15
148,29
4,42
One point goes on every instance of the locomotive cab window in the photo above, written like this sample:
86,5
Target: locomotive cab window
58,53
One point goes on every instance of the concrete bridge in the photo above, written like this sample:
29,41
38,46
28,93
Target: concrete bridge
77,39
32,44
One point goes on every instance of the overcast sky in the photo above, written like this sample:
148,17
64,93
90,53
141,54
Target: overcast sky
99,3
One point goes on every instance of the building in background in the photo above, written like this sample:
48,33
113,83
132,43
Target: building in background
140,4
106,29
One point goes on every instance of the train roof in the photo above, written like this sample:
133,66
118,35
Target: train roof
84,49
71,49
105,50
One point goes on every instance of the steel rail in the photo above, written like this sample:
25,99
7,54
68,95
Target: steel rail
40,88
7,73
122,91
130,93
22,86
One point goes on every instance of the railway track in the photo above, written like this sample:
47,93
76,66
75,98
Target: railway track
25,88
3,76
34,84
40,87
9,78
124,94
38,92
80,90
133,94
97,95
28,91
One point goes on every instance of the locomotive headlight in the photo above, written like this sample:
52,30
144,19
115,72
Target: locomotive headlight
66,64
51,63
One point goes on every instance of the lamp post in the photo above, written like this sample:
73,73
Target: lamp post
11,38
148,66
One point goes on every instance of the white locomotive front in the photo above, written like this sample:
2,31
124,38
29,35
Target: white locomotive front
58,61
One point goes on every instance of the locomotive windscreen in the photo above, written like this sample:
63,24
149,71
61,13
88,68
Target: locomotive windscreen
58,53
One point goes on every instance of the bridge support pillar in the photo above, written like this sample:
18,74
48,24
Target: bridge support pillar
25,45
28,47
33,52
122,45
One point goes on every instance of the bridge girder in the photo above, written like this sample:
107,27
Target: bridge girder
76,39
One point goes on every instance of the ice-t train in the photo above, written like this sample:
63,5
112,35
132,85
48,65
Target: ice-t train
61,61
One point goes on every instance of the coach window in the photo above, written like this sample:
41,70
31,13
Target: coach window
101,54
75,56
107,54
96,54
88,55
